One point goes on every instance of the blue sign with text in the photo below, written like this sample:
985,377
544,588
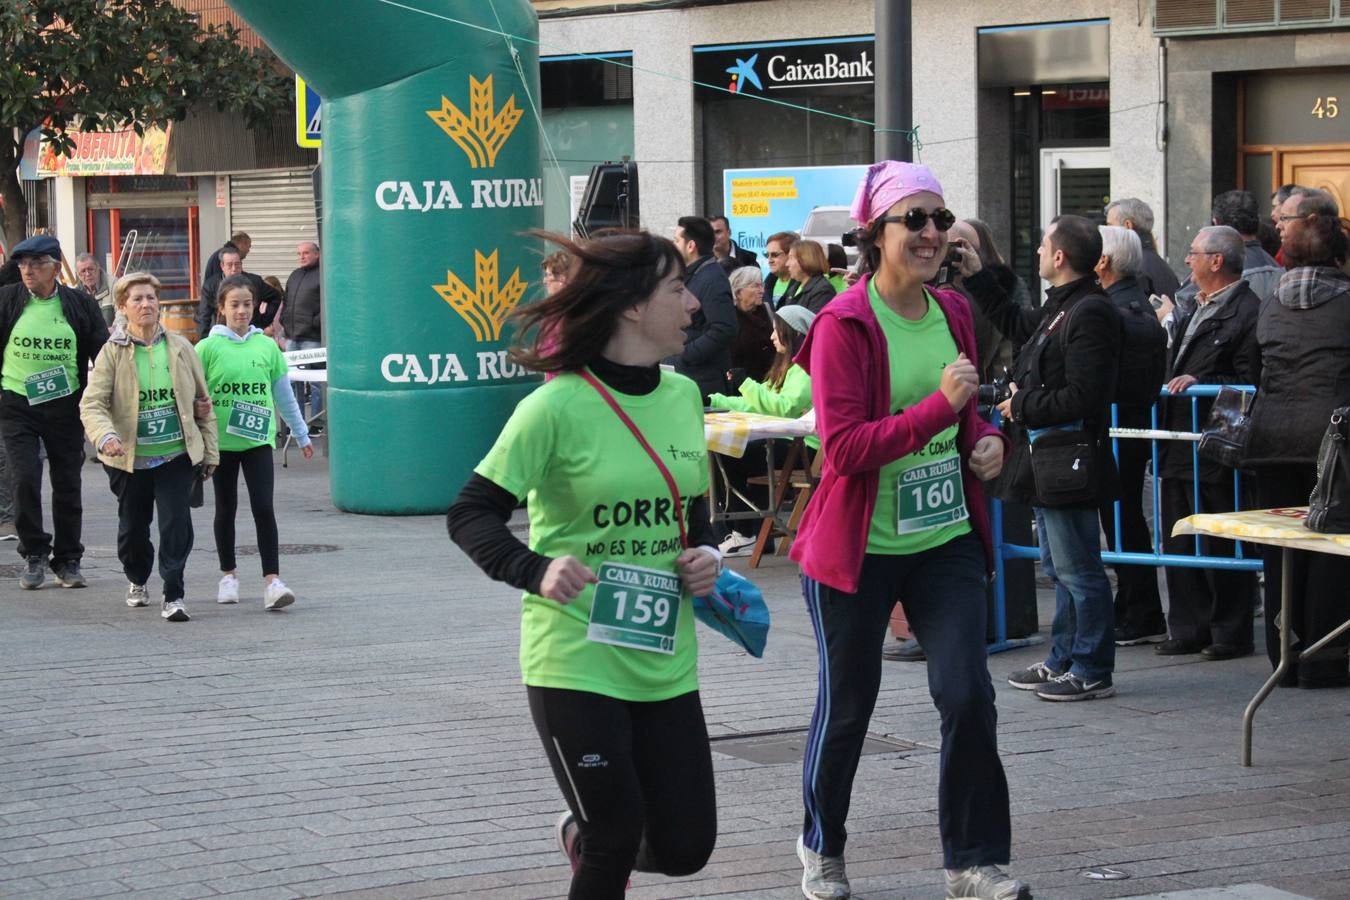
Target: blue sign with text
810,200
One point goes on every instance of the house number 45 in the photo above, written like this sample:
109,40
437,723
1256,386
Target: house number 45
1326,108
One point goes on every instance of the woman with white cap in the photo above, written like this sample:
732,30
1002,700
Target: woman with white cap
899,516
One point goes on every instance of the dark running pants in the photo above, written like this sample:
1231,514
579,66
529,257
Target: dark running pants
1204,606
638,777
55,424
943,593
166,490
256,464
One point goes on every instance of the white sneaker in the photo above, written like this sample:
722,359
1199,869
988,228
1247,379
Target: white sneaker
736,544
277,596
823,877
228,592
137,595
173,611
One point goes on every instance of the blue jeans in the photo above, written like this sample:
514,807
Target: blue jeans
1081,638
315,391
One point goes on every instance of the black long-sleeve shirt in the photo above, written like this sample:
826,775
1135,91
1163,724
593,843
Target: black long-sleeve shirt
477,519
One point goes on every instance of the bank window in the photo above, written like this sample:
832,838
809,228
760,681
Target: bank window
586,81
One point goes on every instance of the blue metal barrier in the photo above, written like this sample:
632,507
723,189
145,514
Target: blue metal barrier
1116,556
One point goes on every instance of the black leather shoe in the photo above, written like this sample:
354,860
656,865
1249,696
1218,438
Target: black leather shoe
1216,652
903,651
1173,647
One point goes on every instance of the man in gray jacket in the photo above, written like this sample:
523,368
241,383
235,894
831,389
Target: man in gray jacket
707,340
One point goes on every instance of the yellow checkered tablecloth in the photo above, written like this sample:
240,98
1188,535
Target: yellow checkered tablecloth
728,433
1278,527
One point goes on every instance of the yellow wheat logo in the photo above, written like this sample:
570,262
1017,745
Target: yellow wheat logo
482,133
485,307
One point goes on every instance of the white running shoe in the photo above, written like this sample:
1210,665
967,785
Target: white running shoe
228,592
736,544
277,596
173,611
137,595
823,877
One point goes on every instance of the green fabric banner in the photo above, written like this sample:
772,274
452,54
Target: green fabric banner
430,174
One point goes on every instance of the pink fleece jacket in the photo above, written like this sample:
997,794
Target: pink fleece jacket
846,356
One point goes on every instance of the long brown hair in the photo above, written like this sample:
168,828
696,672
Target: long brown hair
610,272
790,338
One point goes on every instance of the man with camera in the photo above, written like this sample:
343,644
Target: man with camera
1060,405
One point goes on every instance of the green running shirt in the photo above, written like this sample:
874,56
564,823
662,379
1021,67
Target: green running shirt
159,431
595,494
40,356
920,498
239,375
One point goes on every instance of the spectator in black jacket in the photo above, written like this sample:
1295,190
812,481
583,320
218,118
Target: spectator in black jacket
1155,275
1209,610
211,274
730,255
48,335
268,298
1304,335
752,352
302,320
808,265
707,341
1064,379
1142,370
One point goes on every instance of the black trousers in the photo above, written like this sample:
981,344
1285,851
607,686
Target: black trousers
639,779
256,464
1137,602
166,489
943,592
56,424
1321,599
1204,606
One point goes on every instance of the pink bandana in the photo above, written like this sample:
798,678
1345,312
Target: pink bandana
886,184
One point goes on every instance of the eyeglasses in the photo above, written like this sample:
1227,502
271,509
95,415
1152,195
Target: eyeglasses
1190,253
28,262
1283,219
916,219
774,254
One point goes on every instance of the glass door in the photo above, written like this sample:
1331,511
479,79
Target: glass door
1074,181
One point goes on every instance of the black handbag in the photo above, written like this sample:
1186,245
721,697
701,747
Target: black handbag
1329,505
1224,437
1064,468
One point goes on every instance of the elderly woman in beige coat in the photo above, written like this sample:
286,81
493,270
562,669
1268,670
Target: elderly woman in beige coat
148,413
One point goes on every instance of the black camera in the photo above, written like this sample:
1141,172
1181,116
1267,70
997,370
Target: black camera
994,393
850,238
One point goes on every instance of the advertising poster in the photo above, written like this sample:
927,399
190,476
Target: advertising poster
810,200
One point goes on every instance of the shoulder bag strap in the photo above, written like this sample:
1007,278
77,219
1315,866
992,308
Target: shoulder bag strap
632,426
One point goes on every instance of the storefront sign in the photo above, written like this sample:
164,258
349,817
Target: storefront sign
792,67
810,200
108,153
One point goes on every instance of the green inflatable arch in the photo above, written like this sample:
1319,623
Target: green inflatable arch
430,173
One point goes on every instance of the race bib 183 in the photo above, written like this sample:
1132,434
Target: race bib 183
635,607
249,421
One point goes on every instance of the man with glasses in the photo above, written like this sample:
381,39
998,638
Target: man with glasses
49,333
1209,611
1063,382
779,286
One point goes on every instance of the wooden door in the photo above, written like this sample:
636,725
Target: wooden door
1326,169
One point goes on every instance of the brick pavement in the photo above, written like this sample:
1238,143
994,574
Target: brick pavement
373,741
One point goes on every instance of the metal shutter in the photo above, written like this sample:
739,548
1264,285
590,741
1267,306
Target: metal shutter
275,209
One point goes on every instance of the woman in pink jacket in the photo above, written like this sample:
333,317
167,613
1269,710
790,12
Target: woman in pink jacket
900,516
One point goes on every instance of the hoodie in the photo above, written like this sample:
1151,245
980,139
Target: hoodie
1305,366
283,398
845,354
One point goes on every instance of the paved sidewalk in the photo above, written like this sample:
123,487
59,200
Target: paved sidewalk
373,740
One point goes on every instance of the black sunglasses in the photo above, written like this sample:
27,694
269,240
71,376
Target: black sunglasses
943,219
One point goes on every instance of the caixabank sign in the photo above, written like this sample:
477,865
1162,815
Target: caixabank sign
785,68
431,177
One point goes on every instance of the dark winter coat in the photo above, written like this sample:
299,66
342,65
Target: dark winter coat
813,294
707,340
1304,335
1222,351
302,316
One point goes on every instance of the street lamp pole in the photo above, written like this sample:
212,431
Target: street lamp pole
894,94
